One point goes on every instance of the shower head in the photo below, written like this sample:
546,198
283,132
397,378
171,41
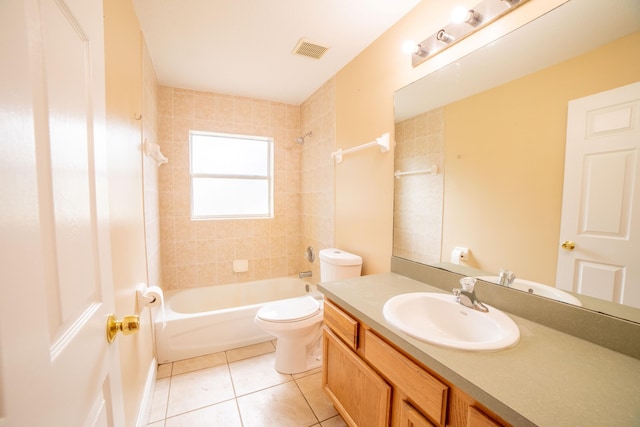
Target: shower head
300,139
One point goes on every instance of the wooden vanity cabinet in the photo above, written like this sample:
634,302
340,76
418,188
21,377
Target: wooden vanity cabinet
372,383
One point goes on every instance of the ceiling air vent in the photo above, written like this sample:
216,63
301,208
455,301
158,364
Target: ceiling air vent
312,50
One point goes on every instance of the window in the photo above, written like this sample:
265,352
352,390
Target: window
231,176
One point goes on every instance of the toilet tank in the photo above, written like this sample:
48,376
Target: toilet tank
336,264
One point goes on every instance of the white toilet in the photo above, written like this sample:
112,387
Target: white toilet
297,322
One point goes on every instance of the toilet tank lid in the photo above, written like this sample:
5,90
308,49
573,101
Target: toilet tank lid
339,257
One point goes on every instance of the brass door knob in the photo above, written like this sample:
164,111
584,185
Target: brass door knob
128,325
568,245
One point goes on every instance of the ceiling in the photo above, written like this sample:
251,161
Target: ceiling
245,47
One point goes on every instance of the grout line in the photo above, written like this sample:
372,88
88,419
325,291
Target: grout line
233,385
199,409
166,406
239,412
266,388
235,394
307,400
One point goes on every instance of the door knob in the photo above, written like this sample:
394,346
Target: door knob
568,245
128,325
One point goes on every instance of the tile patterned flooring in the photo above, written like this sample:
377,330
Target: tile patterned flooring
241,388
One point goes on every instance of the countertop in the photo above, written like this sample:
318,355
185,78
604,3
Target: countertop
549,378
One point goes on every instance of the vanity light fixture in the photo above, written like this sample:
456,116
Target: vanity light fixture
444,37
464,22
420,51
469,16
411,47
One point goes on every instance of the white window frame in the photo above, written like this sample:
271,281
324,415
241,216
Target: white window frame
269,177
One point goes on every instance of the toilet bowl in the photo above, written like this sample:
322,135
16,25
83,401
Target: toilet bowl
297,325
297,322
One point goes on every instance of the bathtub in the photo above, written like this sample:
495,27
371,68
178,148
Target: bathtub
210,319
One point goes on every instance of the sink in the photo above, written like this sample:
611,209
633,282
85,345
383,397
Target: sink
536,288
438,319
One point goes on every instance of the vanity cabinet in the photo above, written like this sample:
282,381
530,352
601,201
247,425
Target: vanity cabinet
372,383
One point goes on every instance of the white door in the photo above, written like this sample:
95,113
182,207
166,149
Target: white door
56,366
601,197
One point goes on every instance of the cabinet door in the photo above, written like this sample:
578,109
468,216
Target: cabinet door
410,417
361,396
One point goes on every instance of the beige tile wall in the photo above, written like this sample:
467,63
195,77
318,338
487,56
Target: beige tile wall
200,253
317,169
418,199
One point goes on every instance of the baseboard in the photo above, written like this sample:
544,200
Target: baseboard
147,398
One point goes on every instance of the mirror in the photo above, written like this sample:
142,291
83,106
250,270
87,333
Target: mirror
498,190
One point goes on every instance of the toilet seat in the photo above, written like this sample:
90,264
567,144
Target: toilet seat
289,310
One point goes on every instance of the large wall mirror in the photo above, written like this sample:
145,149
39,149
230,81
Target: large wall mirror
480,146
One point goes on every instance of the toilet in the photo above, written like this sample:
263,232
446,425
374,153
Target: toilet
297,322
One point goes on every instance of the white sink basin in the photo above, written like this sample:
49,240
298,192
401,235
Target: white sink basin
536,288
438,319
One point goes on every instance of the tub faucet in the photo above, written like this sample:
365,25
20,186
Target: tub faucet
304,274
467,295
506,278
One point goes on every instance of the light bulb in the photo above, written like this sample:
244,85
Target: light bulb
459,14
409,47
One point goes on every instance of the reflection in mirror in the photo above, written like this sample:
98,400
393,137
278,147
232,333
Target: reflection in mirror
417,233
495,124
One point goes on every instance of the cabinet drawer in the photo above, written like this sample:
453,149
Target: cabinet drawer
341,324
427,393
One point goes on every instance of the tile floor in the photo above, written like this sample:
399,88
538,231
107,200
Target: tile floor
241,388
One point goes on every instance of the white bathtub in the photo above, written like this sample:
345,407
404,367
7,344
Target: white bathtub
210,319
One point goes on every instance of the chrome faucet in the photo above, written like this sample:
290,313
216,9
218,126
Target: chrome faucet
506,278
304,274
467,295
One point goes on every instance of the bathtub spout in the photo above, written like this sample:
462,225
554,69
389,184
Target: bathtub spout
304,274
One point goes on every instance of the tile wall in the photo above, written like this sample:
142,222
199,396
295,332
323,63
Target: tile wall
418,199
200,253
317,172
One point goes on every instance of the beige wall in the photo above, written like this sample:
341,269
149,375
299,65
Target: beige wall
418,199
317,173
123,61
505,161
364,111
200,253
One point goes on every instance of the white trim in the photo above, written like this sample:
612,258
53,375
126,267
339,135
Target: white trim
147,397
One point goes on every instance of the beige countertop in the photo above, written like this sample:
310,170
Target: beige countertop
549,378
